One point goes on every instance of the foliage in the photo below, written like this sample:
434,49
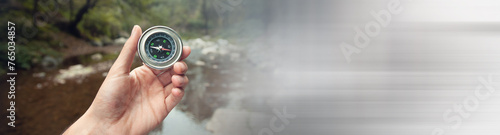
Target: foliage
110,19
101,22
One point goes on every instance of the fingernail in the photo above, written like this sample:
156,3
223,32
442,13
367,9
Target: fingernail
133,30
180,79
183,67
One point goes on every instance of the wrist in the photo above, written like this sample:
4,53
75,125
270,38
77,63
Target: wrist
86,125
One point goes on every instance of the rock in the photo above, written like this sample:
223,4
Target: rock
212,49
222,42
106,40
223,51
197,43
211,58
96,57
38,86
199,63
206,37
75,71
60,81
123,34
39,75
102,66
96,43
49,62
120,41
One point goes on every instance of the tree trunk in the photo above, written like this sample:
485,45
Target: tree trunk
35,9
72,27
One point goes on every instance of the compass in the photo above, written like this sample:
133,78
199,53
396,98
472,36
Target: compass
159,47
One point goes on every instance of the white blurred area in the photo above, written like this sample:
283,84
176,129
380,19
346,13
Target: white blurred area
429,58
452,11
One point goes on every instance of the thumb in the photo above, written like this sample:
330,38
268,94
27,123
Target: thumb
124,61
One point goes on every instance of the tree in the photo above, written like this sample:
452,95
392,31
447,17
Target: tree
72,27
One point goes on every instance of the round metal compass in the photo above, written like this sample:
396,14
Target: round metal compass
159,47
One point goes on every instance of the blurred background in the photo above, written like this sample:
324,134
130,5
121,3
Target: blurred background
270,67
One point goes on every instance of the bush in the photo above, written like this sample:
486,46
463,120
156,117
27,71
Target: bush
101,22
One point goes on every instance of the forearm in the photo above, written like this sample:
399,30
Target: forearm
85,125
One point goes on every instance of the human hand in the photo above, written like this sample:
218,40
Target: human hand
133,102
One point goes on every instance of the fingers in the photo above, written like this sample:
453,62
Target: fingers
186,50
179,68
173,98
176,81
180,81
124,61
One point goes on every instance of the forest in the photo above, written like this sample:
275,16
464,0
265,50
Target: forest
42,25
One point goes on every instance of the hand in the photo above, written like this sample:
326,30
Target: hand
133,102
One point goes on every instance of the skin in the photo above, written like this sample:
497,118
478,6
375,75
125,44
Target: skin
133,102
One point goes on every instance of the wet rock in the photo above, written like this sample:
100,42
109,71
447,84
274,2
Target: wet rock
120,41
96,43
103,66
96,57
106,40
39,75
222,42
199,63
38,85
49,62
208,50
123,34
75,71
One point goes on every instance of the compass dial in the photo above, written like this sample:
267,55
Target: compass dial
160,47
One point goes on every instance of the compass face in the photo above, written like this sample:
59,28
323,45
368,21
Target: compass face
159,47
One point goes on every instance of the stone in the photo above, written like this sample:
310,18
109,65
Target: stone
120,41
96,57
199,63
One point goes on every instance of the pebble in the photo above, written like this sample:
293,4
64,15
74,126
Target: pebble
74,71
120,41
39,75
96,57
199,63
39,86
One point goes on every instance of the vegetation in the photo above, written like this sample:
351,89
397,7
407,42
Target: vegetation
40,22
